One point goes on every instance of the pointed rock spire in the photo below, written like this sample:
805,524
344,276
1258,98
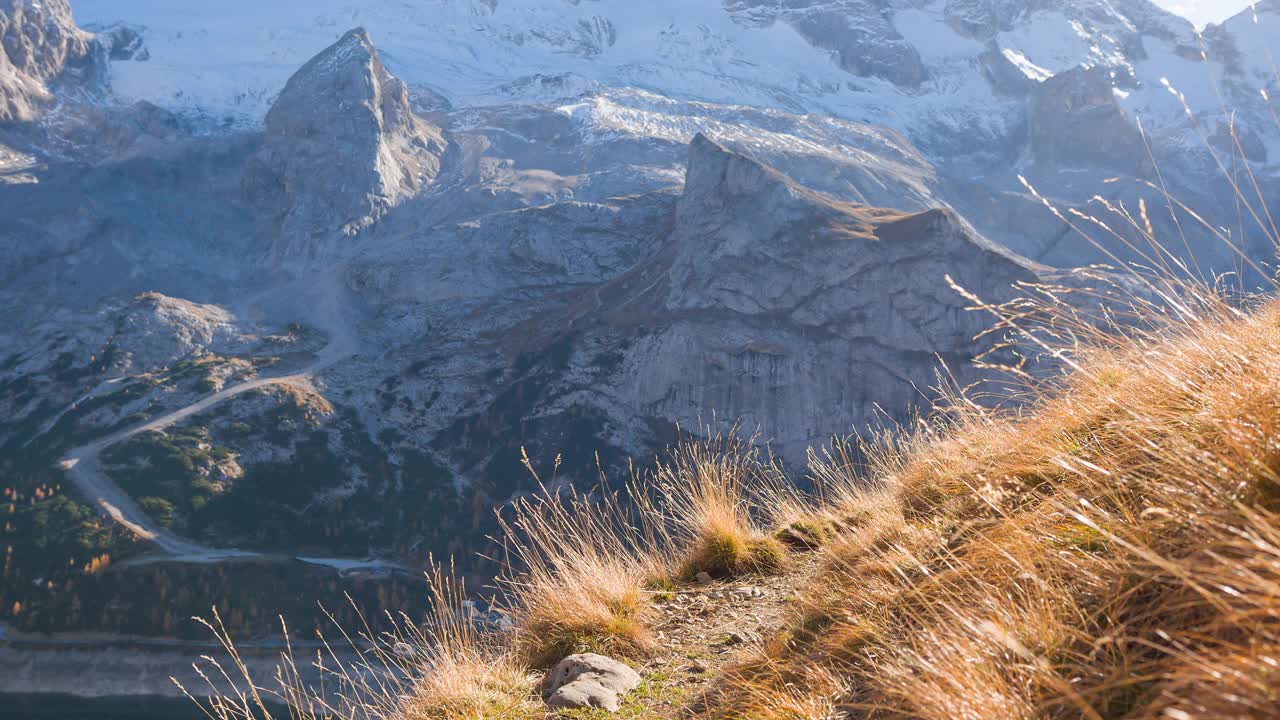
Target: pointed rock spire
341,147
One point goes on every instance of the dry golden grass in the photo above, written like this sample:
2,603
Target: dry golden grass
577,567
582,568
1110,550
462,673
447,668
720,501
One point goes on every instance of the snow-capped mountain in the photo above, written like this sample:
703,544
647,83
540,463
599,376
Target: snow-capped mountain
919,67
983,89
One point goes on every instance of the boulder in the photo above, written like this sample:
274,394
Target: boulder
588,680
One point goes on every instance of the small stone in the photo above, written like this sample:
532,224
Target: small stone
702,578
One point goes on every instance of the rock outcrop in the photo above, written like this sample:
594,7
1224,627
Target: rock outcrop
123,42
1076,120
39,44
859,34
782,306
157,330
342,146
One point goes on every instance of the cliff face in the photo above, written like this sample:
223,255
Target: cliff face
747,296
781,306
40,43
1076,121
341,147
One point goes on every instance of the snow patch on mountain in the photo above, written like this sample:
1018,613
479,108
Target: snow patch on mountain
1028,68
233,57
1052,41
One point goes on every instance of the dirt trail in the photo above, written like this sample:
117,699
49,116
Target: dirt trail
83,465
705,629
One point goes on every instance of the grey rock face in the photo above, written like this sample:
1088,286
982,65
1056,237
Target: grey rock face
1075,120
983,18
589,680
39,42
865,45
784,306
123,42
342,146
1004,76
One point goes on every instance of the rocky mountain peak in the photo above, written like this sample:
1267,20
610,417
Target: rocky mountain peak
341,146
39,43
751,240
716,173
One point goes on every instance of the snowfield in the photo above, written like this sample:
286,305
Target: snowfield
232,57
227,61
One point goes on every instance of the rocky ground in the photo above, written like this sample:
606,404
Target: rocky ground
704,630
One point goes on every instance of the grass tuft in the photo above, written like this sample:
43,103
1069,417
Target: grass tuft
577,579
719,498
725,553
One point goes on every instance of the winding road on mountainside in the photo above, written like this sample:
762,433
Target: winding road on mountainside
83,465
